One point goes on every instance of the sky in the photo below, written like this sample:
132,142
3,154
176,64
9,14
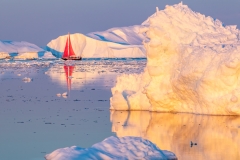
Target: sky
41,21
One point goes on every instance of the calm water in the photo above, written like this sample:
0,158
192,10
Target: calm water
35,121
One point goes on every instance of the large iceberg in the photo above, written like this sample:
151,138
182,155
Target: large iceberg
125,42
193,65
114,148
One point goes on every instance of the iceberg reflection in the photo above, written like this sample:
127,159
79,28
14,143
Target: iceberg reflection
216,137
92,72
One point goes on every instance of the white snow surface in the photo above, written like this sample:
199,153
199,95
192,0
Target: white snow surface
113,148
87,47
132,35
193,65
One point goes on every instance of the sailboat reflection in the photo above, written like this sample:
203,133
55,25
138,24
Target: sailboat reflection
189,136
68,73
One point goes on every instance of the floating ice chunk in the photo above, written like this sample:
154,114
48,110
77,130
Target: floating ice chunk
19,75
114,148
59,94
27,80
65,94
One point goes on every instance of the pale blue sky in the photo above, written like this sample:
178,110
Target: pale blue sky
39,21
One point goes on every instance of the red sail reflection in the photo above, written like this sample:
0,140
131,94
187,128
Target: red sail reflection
68,72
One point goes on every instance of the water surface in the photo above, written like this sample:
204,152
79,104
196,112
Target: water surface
35,121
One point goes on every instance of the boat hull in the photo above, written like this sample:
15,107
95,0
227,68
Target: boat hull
72,58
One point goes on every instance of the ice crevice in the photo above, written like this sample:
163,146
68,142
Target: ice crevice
193,66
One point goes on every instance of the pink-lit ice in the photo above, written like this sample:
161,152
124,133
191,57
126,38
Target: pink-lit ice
193,65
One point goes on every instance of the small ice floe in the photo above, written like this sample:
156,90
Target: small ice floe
59,94
64,95
19,75
27,80
114,148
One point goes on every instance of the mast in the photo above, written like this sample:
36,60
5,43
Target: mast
68,43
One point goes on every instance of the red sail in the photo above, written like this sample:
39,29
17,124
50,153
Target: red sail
65,53
68,51
71,54
68,73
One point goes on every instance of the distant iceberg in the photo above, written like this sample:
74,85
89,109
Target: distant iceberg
21,50
4,55
193,65
87,47
114,148
18,47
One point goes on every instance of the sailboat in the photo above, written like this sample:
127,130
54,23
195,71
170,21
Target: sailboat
68,53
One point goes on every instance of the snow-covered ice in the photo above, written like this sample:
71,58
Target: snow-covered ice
193,64
114,148
132,35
